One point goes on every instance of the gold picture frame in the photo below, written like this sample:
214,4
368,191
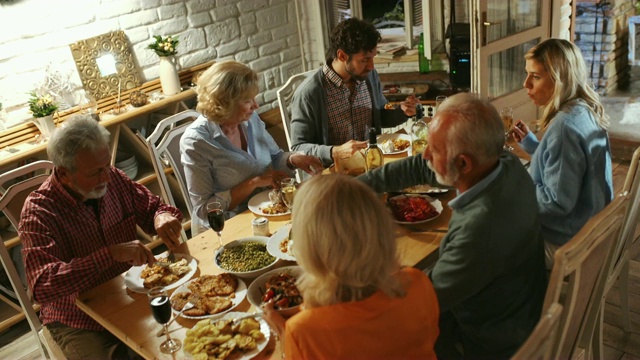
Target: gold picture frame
105,64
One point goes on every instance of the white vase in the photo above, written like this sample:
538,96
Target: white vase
169,78
46,125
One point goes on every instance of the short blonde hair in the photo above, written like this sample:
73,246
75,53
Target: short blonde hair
345,242
222,86
564,63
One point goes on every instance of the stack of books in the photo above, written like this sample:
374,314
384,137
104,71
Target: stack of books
391,50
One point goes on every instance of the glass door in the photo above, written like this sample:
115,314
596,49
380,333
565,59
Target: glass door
505,30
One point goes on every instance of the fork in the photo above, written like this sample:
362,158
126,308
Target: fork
237,320
193,299
170,259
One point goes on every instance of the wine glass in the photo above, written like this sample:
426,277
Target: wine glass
161,310
288,190
215,215
506,113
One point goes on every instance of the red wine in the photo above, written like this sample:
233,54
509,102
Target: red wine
216,219
161,309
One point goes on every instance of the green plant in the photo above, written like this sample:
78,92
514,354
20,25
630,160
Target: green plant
42,105
164,46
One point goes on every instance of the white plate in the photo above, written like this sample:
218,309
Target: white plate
435,202
241,293
260,201
264,328
273,246
134,282
384,137
424,189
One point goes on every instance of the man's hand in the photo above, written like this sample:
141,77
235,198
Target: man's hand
132,252
168,228
309,164
347,149
409,105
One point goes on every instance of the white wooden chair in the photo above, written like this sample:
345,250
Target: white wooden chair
11,204
578,277
285,95
164,146
539,344
619,266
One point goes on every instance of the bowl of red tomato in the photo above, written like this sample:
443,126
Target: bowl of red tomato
278,285
414,208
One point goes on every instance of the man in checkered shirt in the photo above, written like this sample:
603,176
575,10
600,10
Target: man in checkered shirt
79,230
333,109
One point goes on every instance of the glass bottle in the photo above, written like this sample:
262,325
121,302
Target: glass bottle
419,131
373,154
423,62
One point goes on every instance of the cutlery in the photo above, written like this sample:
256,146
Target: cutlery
193,299
238,319
170,259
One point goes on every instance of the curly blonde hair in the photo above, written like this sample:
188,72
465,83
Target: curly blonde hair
345,242
564,63
222,86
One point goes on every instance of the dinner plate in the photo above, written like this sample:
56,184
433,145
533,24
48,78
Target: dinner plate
134,282
424,189
273,246
435,202
240,294
264,329
384,137
260,201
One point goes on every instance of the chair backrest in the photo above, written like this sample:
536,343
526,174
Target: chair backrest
539,344
11,204
164,147
285,94
578,276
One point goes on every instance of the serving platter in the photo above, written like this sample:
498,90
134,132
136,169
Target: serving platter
435,202
134,282
273,246
391,137
240,294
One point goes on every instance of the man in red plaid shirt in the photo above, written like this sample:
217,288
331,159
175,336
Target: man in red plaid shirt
79,230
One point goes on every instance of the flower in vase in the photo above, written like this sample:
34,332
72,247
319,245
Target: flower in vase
41,105
164,46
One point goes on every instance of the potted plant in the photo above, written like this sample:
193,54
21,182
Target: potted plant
42,106
166,48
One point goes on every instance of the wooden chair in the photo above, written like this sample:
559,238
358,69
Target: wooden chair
285,94
619,266
11,204
540,342
164,147
578,277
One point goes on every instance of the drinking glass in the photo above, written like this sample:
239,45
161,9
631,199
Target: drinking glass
506,113
215,215
161,310
288,190
439,100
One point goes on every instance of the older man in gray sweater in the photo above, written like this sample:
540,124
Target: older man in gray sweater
490,276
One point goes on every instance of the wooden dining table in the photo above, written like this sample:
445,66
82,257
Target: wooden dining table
127,314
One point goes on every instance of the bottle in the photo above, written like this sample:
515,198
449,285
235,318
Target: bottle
423,62
419,131
373,154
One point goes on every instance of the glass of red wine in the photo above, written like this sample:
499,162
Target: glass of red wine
215,215
161,310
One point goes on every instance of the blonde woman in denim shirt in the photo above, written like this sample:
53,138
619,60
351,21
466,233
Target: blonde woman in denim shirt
571,164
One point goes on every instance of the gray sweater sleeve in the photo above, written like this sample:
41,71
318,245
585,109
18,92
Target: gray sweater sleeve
397,175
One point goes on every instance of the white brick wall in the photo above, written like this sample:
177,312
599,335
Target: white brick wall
35,33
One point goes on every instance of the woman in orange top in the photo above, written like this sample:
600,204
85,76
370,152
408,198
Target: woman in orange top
358,301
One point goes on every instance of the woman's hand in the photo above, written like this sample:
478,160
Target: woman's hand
519,131
309,164
275,320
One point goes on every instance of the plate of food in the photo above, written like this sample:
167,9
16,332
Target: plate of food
261,204
224,338
394,143
412,209
142,278
217,295
424,189
280,244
